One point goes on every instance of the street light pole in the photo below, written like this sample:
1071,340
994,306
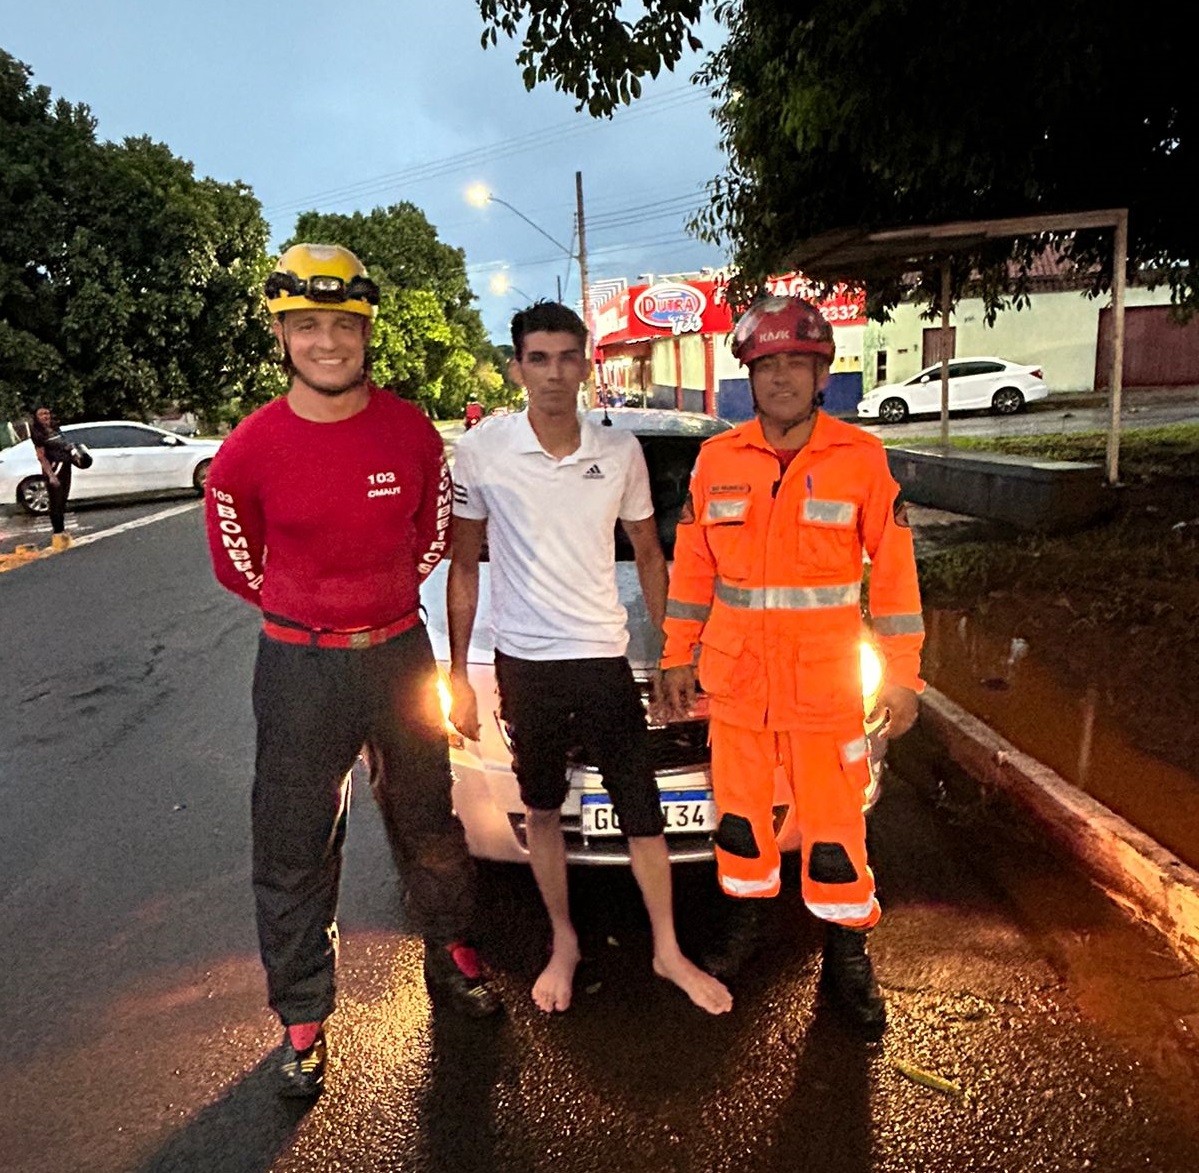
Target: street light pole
479,195
582,250
515,211
500,284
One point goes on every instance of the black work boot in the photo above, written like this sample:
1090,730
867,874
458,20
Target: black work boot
454,979
847,980
742,936
301,1074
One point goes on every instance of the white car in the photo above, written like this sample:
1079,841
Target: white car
485,794
992,383
128,459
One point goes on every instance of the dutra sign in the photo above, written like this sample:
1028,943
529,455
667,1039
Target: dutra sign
671,307
677,308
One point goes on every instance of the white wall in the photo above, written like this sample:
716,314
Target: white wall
1057,332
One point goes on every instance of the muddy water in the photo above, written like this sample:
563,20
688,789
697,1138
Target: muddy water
1063,724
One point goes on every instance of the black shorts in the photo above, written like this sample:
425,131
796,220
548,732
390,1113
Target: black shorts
554,706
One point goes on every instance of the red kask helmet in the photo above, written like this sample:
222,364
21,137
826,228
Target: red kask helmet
777,325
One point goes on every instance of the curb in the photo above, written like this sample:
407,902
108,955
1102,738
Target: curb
1135,870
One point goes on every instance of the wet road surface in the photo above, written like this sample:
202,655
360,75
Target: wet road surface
132,1003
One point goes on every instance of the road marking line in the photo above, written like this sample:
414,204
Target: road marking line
25,554
124,527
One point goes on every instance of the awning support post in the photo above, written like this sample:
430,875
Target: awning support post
1116,384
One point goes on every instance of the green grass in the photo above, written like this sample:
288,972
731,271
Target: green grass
1140,562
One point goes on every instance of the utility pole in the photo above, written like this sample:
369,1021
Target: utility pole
582,249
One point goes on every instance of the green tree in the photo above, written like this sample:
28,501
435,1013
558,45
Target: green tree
126,284
43,148
163,300
891,113
587,49
429,342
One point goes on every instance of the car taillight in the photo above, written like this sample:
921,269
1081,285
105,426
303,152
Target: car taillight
1037,373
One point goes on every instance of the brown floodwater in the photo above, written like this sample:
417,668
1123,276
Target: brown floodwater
1063,724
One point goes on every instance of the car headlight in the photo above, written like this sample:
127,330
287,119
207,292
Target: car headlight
871,662
445,699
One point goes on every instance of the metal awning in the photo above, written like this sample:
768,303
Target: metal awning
857,257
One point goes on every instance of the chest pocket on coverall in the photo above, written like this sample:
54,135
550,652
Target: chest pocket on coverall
726,529
827,536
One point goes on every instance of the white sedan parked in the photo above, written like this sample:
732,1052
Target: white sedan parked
128,460
993,383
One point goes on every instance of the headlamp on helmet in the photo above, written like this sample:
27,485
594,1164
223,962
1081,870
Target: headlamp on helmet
321,277
782,325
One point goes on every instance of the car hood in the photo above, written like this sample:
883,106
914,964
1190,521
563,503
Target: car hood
643,640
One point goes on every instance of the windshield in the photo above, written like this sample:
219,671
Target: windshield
670,460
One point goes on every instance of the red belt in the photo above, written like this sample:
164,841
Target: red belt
368,638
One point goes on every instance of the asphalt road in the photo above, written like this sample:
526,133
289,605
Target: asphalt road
132,1003
18,528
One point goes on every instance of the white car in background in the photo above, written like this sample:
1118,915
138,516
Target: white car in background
485,793
974,383
128,460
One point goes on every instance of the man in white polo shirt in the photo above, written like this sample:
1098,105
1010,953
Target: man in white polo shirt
546,489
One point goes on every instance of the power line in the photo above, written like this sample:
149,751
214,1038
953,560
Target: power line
421,172
684,202
604,250
645,218
697,193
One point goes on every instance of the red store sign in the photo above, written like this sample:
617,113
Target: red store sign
644,312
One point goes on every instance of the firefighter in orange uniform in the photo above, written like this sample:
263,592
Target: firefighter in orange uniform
767,583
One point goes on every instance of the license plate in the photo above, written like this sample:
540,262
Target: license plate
685,811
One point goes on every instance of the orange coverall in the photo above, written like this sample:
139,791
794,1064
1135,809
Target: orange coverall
767,580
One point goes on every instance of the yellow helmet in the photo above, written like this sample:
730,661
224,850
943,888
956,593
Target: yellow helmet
321,277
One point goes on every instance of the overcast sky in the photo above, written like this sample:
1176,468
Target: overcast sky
344,107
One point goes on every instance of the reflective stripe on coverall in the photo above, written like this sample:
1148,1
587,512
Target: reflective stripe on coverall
767,581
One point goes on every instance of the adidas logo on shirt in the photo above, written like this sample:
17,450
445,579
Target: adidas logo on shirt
593,474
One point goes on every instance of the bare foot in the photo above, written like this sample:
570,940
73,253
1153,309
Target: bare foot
552,990
702,988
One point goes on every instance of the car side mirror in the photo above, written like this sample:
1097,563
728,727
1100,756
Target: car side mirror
171,441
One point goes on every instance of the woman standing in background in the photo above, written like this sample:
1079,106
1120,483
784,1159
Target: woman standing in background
54,455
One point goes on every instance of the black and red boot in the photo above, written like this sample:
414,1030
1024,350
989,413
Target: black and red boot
302,1068
454,978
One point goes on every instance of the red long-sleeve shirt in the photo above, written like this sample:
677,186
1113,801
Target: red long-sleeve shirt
330,525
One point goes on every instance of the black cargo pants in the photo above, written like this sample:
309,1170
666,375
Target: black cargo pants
58,495
316,708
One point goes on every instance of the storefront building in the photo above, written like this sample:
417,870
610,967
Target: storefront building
666,343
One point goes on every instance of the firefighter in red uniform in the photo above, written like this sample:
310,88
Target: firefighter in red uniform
326,508
766,583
